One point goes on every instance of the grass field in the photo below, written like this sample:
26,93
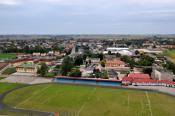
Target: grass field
7,86
91,101
4,56
170,54
9,71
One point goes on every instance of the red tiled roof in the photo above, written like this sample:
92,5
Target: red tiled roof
115,62
144,78
127,79
116,67
139,76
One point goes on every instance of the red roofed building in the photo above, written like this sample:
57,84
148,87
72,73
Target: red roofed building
138,79
138,76
114,63
127,80
134,77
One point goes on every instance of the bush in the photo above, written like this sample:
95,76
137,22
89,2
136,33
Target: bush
2,78
50,75
42,71
75,73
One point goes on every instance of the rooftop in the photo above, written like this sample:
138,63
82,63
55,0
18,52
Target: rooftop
27,66
115,61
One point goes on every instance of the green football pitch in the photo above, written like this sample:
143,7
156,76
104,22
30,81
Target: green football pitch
7,86
91,101
3,88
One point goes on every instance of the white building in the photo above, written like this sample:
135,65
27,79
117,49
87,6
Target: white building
122,51
162,74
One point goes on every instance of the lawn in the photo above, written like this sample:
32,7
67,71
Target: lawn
91,101
170,54
9,71
4,56
7,86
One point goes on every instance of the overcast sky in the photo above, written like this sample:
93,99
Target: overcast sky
87,16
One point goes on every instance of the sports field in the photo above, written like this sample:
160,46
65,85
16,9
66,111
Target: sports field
4,56
91,101
7,86
3,88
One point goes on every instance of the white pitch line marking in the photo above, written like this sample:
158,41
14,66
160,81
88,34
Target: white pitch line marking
31,96
82,107
49,98
128,102
149,103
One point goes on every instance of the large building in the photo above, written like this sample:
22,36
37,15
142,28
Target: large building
27,68
114,64
139,79
122,51
116,68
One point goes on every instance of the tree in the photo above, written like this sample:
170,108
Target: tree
109,53
128,60
87,53
67,65
147,70
57,66
78,60
103,63
75,73
99,74
42,71
170,66
118,55
137,52
145,60
105,75
101,56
